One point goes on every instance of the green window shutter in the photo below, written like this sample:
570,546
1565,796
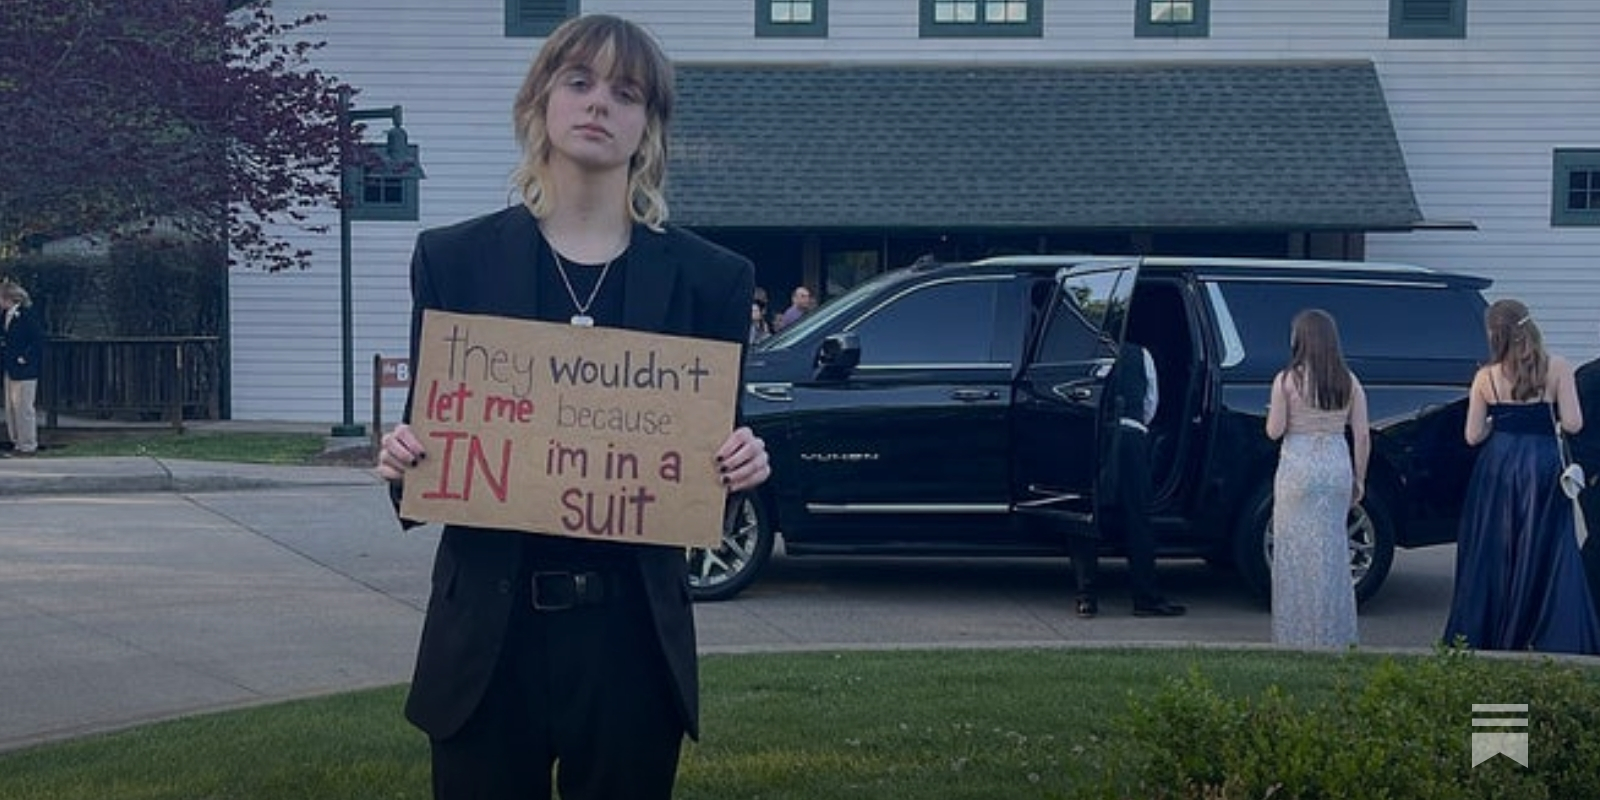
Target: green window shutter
536,18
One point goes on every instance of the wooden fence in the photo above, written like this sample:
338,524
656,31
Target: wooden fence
150,378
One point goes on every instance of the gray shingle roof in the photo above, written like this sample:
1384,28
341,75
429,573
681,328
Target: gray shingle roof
1303,145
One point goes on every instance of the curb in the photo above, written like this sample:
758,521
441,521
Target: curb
133,474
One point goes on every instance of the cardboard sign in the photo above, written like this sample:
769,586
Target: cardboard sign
593,433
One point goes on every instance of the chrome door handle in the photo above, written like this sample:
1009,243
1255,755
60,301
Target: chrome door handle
972,395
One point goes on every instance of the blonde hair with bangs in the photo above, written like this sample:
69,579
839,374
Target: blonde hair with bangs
623,49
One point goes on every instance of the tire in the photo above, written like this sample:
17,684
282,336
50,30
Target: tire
747,540
1371,536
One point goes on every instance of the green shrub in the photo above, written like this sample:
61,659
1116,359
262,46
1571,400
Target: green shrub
1394,729
147,286
65,290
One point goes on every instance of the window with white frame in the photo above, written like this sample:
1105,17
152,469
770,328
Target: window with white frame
792,18
951,18
1172,18
1575,188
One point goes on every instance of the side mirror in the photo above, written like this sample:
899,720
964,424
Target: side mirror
837,356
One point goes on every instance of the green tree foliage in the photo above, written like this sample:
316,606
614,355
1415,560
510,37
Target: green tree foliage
116,114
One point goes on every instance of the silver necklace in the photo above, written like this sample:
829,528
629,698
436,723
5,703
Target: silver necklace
582,318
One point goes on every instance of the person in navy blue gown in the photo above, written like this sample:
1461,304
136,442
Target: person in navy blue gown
1520,582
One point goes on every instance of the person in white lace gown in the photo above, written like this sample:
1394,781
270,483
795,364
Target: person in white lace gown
1314,399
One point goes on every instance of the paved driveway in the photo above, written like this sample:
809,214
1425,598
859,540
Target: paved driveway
117,609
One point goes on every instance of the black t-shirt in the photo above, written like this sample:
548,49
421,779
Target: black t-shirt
552,552
556,304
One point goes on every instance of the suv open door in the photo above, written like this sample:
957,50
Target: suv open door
1057,419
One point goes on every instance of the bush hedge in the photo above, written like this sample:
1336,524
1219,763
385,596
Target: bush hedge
147,286
1394,729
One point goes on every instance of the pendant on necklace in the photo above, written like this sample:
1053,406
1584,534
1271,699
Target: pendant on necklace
583,320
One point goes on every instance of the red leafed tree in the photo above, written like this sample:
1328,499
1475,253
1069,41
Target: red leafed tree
116,115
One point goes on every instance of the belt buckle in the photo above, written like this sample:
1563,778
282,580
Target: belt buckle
574,586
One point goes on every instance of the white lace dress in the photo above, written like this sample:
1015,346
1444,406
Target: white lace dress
1313,600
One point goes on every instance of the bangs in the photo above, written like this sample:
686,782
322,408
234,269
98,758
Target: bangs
621,53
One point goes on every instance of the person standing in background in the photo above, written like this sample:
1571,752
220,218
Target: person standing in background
1125,513
1315,398
1519,576
1586,451
547,664
23,354
801,302
760,328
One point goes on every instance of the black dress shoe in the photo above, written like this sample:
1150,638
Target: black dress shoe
1160,608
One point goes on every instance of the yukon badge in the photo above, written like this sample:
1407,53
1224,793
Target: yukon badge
838,458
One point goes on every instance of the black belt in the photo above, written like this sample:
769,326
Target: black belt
560,591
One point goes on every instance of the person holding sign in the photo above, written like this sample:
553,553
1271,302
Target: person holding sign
555,657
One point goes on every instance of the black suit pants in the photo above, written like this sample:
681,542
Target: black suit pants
1589,506
584,691
1126,516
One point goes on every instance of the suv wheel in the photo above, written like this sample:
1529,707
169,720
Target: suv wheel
747,539
1371,537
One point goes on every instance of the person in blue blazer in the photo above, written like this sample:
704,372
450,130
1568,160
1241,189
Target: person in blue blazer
22,351
544,655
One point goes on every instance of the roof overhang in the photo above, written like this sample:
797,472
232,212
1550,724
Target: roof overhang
1151,146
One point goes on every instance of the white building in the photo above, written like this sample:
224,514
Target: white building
1457,134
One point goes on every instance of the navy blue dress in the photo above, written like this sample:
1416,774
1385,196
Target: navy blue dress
1520,583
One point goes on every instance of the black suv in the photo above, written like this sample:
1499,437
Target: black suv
955,409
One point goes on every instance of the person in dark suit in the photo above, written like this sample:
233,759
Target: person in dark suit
22,345
545,653
1125,513
1586,451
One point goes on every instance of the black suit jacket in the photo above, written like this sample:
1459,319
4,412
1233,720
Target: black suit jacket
676,283
1586,443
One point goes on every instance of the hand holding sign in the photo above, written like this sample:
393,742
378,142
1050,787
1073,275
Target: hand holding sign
592,433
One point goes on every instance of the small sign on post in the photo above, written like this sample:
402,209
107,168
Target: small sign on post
394,373
592,433
387,373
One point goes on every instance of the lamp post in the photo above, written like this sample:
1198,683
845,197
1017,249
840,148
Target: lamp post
349,194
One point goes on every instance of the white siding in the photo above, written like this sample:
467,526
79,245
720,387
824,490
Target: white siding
1477,118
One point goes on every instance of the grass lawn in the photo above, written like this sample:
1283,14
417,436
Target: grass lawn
932,725
238,446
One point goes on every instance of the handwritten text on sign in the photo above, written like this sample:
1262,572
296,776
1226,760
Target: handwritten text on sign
595,433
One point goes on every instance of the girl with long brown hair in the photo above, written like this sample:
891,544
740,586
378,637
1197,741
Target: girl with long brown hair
1519,577
1315,398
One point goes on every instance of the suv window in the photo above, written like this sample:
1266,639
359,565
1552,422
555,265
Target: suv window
1084,318
949,323
1411,322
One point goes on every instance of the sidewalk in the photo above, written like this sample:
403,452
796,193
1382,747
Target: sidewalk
49,474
